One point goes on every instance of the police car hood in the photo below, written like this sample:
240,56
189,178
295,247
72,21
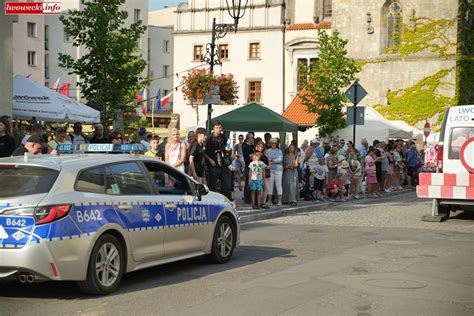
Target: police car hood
215,197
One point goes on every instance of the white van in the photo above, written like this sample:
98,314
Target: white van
452,187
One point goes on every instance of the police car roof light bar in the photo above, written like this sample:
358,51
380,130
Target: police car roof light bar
100,148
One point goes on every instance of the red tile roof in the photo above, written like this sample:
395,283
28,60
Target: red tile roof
309,26
298,113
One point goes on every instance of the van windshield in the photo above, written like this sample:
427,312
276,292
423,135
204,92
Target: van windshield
25,180
459,135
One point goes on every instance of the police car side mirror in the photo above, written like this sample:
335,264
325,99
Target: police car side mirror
202,189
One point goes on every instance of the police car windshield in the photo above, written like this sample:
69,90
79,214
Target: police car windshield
25,180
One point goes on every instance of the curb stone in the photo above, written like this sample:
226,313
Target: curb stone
247,216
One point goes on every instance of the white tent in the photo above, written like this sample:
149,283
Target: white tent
375,127
433,138
404,125
31,99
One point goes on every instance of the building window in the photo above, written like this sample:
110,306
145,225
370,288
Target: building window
46,66
166,47
301,74
31,58
137,15
224,51
394,24
327,9
31,29
254,91
46,37
165,70
198,53
254,50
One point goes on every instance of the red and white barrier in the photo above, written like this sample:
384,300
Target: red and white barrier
446,186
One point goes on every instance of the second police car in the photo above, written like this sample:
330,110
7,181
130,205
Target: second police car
93,217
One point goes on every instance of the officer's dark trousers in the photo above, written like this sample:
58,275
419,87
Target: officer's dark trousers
247,197
224,175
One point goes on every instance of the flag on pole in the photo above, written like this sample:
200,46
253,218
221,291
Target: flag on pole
55,87
144,109
158,100
140,95
64,90
166,99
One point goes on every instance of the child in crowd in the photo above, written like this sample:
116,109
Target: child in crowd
355,169
320,179
336,188
343,170
256,173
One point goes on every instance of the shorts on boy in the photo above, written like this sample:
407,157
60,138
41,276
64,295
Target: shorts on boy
318,184
256,185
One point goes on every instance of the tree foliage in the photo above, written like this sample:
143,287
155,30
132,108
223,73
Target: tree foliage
110,70
327,76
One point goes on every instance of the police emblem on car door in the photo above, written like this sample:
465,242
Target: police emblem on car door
187,219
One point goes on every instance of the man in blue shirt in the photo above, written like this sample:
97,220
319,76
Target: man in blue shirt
363,148
412,160
318,150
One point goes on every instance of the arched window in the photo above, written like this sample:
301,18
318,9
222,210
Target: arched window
393,23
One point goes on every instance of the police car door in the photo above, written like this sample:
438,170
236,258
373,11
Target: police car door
187,218
139,209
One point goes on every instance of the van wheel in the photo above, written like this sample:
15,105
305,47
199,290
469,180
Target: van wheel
223,242
105,268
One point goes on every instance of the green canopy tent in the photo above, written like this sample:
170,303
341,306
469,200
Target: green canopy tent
257,118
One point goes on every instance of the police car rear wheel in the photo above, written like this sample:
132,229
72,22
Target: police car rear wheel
106,266
223,242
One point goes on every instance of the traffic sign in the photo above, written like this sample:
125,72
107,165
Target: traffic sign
427,129
359,115
355,93
467,155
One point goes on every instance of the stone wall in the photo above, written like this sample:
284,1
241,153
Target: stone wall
401,67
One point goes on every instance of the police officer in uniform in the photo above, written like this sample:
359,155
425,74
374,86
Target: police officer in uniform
217,161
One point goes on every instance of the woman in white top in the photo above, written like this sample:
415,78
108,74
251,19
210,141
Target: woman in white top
175,151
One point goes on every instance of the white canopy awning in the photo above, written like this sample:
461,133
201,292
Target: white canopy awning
31,99
375,127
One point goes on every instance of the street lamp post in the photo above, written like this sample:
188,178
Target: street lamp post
219,30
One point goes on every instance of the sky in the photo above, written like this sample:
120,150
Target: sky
160,4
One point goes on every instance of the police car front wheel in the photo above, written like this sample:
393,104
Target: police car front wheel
106,266
223,243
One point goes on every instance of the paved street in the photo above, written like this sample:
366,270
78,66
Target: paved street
375,257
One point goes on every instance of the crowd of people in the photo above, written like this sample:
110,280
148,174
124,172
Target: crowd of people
317,170
335,171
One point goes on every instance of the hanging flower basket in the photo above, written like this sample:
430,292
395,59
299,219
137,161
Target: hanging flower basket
196,85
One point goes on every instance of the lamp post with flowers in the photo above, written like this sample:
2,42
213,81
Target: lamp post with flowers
236,9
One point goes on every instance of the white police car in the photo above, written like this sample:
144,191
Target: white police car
93,217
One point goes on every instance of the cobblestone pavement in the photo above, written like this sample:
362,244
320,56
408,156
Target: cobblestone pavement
399,211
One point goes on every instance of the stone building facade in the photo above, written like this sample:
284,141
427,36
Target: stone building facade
405,47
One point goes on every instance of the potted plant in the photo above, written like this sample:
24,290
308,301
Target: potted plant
228,88
196,85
